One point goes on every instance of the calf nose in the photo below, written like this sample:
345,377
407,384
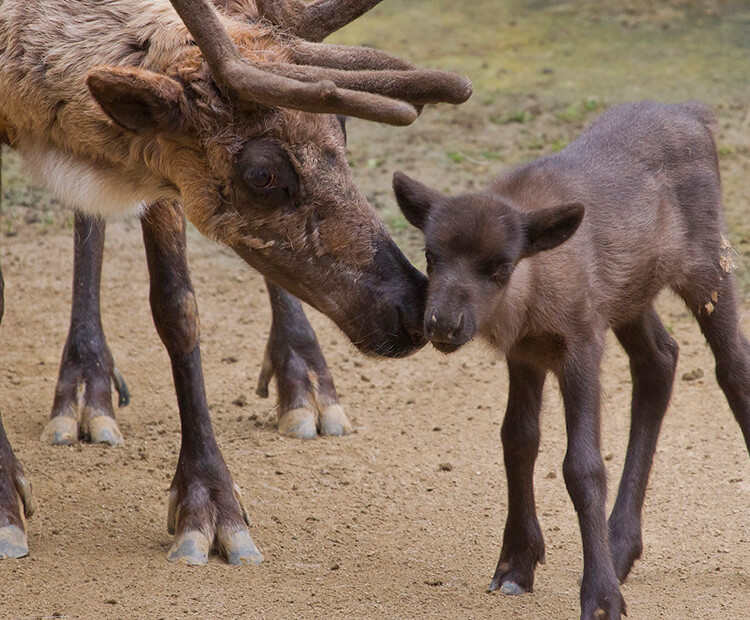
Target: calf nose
444,328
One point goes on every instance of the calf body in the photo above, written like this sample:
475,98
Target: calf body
541,264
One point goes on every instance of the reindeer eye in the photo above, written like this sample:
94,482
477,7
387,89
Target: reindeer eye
261,178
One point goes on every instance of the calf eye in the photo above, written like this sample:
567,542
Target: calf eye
261,178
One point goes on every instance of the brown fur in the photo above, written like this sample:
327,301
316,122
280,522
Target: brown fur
180,137
547,259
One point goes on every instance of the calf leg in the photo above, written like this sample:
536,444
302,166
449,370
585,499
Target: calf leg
586,480
83,400
16,500
523,544
653,358
205,507
714,304
308,402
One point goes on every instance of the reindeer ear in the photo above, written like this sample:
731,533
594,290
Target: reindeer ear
141,101
414,199
548,228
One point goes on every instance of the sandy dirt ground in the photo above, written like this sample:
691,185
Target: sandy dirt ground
404,518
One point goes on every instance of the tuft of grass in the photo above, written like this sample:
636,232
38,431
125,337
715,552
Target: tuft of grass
558,145
375,162
521,117
397,223
578,111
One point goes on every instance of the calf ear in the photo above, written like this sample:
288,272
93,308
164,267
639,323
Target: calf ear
548,228
141,101
414,199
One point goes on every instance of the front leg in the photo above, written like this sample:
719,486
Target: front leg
16,500
308,402
586,478
83,399
205,508
523,543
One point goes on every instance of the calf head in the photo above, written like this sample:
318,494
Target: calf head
473,243
271,180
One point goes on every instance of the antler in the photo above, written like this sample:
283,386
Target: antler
363,94
314,21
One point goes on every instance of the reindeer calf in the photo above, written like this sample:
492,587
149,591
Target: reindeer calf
548,258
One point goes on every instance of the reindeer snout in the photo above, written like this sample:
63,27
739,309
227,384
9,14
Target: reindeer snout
447,330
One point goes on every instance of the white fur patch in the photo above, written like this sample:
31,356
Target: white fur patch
77,183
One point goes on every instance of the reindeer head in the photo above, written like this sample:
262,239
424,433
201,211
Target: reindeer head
473,244
248,127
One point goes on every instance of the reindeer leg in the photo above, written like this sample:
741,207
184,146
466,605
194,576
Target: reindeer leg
523,544
83,393
653,358
586,478
205,508
308,402
16,500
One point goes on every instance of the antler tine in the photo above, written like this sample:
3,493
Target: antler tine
417,86
346,57
252,85
324,17
314,21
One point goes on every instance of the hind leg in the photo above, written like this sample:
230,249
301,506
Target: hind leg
713,302
308,402
83,398
653,358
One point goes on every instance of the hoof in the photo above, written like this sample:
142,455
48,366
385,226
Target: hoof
60,431
511,588
103,429
333,422
13,543
239,547
298,423
191,548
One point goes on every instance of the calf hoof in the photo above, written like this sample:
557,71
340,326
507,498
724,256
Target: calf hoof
333,421
511,588
61,430
13,543
602,603
190,548
298,423
103,429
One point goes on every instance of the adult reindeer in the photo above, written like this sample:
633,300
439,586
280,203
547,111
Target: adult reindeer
114,104
307,400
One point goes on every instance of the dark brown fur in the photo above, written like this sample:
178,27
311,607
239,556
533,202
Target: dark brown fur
547,259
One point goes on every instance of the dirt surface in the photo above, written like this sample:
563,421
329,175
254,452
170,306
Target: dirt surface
404,518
